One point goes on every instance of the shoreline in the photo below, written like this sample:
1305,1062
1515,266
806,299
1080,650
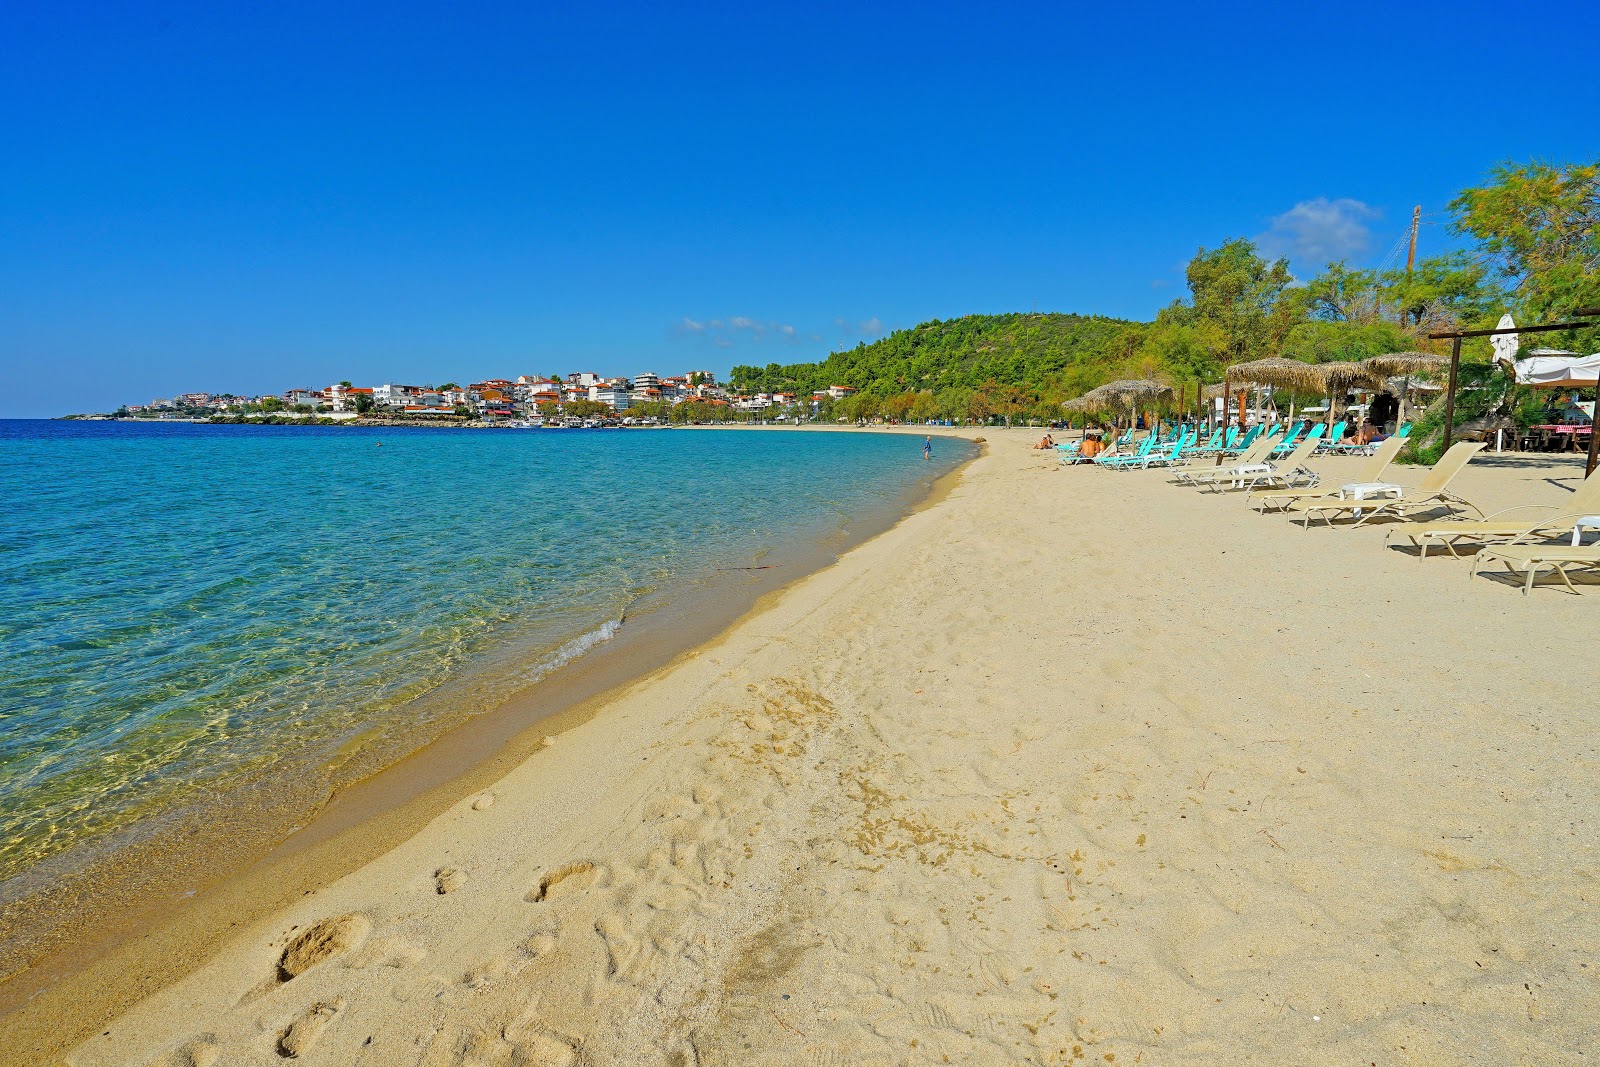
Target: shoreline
1022,780
130,945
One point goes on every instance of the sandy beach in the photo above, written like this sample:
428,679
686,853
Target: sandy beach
1068,767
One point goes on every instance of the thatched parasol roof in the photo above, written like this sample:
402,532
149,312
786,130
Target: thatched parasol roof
1277,370
1338,376
1406,363
1087,402
1120,395
1135,390
1211,392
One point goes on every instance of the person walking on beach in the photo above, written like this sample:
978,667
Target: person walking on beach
927,448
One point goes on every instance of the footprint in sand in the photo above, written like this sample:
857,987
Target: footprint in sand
567,879
322,942
483,803
448,880
201,1052
297,1039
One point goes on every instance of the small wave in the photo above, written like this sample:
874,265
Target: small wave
573,649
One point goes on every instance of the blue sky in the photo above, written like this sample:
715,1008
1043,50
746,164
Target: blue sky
254,197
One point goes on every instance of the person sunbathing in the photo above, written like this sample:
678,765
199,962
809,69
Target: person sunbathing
1045,442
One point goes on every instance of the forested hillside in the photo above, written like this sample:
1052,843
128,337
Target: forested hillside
1038,350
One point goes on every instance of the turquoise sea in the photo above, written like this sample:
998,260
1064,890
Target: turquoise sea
185,608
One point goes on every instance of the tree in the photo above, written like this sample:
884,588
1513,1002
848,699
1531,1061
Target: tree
1321,341
345,384
1235,290
364,403
896,408
1442,292
586,409
1538,228
1339,294
977,407
1188,352
271,404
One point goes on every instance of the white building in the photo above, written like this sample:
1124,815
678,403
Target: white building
647,380
396,396
610,395
296,397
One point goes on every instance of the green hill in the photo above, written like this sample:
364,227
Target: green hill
1040,353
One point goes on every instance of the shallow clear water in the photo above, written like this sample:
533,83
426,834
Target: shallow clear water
185,606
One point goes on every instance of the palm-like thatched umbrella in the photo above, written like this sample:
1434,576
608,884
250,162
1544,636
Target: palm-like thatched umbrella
1090,402
1342,377
1085,403
1294,374
1405,363
1134,391
1278,370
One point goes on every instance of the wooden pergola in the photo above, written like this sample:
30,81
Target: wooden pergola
1455,366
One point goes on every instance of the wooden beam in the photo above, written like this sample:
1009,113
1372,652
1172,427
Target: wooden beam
1516,329
1594,436
1450,397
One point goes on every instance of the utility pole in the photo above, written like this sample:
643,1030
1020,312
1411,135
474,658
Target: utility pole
1411,256
1411,261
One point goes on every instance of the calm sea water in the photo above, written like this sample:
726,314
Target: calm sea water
183,607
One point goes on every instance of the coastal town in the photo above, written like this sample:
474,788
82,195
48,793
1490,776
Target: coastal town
580,398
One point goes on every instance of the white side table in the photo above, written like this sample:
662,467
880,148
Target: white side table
1586,522
1370,491
1367,490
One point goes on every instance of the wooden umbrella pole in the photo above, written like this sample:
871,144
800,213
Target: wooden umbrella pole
1594,438
1450,397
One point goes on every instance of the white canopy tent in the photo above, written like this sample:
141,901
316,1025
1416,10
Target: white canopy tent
1550,369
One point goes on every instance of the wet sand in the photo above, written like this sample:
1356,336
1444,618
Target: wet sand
1070,767
111,930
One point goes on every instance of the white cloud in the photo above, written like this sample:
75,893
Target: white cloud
724,332
1315,232
870,326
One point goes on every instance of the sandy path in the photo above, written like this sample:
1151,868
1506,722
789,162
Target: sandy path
1073,767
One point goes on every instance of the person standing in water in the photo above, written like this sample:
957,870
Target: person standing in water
927,448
